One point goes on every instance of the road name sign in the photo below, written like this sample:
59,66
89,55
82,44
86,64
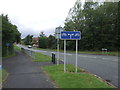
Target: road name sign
71,35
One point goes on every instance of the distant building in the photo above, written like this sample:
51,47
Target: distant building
35,42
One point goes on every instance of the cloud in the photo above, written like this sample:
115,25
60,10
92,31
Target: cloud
33,16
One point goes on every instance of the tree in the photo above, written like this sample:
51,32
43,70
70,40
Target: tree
42,34
10,34
97,23
43,42
28,40
51,42
118,27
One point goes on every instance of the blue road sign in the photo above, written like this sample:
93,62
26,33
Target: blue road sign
0,67
7,44
73,35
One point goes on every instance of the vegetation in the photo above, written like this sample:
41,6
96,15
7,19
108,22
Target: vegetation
47,42
99,25
10,55
112,53
41,58
10,34
27,40
43,42
0,36
3,75
17,48
73,80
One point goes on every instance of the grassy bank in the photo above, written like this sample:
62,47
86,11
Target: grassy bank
17,48
3,75
73,80
41,58
70,79
112,53
13,54
10,55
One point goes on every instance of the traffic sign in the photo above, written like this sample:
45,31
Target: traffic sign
69,35
73,35
7,44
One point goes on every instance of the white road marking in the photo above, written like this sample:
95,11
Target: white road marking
69,54
94,57
115,60
87,56
83,56
44,51
104,58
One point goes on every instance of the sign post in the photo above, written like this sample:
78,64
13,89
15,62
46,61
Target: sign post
57,33
7,51
57,51
76,54
7,44
64,55
68,35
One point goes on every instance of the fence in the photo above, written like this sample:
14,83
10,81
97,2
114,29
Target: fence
69,66
32,54
29,52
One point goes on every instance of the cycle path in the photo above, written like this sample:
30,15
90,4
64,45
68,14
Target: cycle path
23,73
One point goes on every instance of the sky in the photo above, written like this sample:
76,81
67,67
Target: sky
33,16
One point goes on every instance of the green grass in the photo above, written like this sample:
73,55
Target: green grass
17,48
3,75
114,53
10,55
41,58
73,80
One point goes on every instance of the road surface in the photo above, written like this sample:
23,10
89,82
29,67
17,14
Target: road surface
103,66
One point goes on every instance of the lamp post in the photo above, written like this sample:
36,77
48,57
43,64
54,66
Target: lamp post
57,33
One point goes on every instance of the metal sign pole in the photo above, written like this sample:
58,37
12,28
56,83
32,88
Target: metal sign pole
70,35
57,51
64,55
76,53
7,51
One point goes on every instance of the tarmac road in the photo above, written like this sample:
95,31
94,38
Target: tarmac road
23,73
103,66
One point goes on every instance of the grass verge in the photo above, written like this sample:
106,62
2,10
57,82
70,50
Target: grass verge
17,48
41,58
111,53
115,53
3,75
10,55
13,54
73,80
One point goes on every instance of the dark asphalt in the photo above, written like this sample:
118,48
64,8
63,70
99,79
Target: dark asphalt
23,73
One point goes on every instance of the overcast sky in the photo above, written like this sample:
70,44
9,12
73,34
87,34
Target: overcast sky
34,16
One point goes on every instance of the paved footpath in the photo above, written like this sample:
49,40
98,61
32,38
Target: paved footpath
23,73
